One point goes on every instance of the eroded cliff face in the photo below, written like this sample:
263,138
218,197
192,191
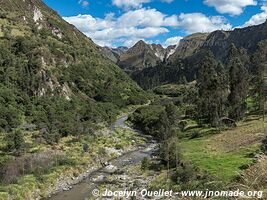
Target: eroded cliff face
141,56
159,51
247,38
188,46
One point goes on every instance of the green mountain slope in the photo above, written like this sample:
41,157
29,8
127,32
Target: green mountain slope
52,75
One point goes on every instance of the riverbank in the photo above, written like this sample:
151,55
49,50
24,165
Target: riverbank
74,163
126,159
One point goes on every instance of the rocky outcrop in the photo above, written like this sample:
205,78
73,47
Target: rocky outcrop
113,53
141,56
188,46
246,38
159,51
170,50
218,42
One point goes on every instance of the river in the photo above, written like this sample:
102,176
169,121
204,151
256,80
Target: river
83,190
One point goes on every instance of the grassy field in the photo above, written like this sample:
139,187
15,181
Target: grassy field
226,153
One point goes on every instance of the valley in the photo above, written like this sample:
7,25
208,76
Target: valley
78,118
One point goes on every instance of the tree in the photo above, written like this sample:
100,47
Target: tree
183,80
213,85
259,80
15,142
239,85
171,111
170,152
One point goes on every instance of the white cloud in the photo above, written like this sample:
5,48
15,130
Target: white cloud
167,1
114,33
142,24
198,22
84,3
129,3
258,18
87,23
232,7
146,17
126,4
172,41
131,26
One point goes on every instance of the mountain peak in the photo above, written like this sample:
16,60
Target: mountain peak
141,55
140,44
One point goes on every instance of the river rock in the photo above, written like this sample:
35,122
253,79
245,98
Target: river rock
110,169
98,178
110,151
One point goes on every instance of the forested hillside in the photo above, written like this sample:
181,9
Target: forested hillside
51,72
185,62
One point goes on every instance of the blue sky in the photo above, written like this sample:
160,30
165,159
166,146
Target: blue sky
124,22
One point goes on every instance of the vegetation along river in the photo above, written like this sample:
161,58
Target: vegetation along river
83,190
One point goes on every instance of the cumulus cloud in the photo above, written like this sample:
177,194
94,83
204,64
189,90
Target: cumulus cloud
258,18
129,3
126,4
114,33
167,1
84,3
142,23
198,22
146,17
132,25
232,7
172,41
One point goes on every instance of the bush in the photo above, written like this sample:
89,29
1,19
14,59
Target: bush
65,160
264,145
51,137
182,124
137,99
145,163
185,173
195,134
15,142
151,120
3,15
85,147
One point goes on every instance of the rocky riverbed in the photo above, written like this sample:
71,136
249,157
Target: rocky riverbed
81,187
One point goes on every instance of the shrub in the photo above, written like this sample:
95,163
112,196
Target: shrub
185,173
182,124
195,134
264,145
145,163
15,141
65,160
85,147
